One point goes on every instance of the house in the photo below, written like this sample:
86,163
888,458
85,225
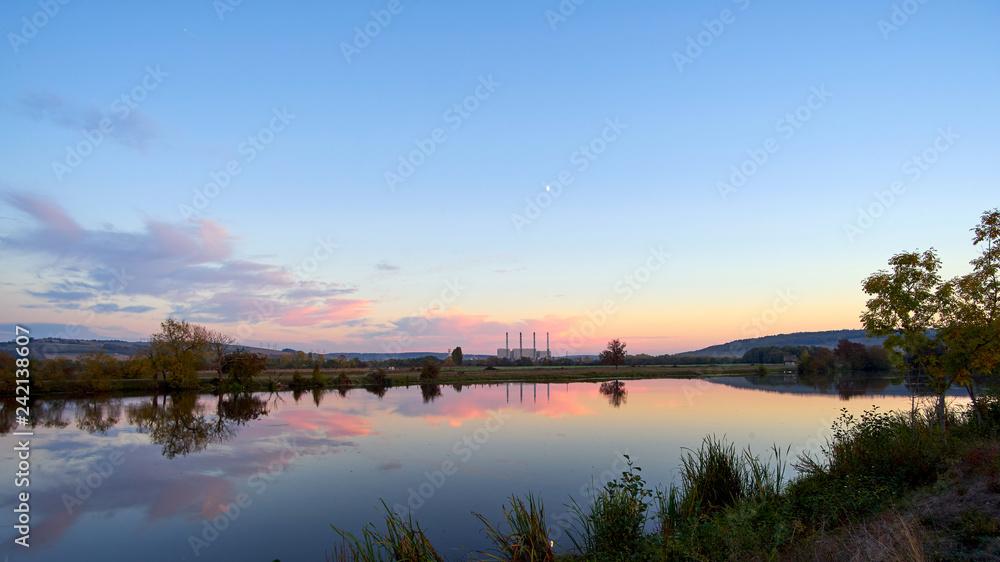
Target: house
791,361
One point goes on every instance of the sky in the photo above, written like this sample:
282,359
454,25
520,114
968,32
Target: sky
386,176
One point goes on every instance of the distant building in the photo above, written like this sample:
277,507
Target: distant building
515,354
791,361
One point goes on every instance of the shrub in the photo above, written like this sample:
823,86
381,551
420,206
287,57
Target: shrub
318,378
616,521
430,371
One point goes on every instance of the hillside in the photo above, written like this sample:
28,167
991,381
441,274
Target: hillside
828,339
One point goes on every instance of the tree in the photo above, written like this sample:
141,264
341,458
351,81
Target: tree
242,366
456,355
175,352
218,343
970,327
614,354
906,304
100,371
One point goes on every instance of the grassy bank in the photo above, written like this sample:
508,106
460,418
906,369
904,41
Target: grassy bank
283,379
887,486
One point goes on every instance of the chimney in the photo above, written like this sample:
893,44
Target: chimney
520,345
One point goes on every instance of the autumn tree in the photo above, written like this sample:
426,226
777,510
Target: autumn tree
614,354
242,366
456,355
101,372
175,352
218,344
970,327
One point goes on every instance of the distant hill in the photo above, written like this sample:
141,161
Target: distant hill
51,348
828,339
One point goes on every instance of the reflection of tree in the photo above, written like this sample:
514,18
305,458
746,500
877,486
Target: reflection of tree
616,393
851,388
45,413
8,422
181,425
98,415
317,396
49,413
376,390
430,391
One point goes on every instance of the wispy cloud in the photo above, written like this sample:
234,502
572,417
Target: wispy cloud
386,267
190,265
133,128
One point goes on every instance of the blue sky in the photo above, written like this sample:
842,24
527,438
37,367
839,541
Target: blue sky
310,245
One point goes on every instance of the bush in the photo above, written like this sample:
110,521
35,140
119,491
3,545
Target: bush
318,378
615,524
430,371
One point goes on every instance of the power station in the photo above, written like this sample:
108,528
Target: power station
531,353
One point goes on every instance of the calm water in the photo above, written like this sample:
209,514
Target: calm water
263,477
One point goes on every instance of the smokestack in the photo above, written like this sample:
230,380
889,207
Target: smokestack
546,345
534,345
520,345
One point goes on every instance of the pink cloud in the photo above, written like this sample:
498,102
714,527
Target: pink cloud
331,312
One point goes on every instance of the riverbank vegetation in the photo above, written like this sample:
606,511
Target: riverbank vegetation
886,486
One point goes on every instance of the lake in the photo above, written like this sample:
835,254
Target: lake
262,477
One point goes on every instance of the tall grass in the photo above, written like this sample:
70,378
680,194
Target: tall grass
402,541
525,539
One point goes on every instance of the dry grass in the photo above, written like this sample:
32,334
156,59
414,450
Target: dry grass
888,537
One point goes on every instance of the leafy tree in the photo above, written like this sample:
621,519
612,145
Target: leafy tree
242,366
175,352
614,354
905,307
456,355
970,327
100,371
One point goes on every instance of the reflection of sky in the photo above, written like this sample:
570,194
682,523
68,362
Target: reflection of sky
333,463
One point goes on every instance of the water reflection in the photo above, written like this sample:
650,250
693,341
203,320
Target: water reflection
845,386
181,424
430,391
616,393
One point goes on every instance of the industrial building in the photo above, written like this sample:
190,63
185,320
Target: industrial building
531,353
